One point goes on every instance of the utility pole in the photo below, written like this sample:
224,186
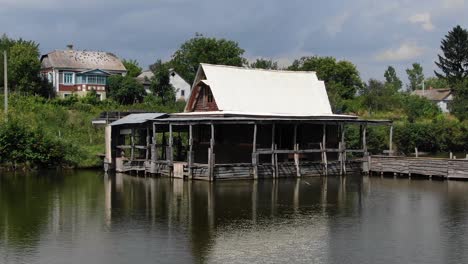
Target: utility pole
5,82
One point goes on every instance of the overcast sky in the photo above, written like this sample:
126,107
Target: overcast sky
371,34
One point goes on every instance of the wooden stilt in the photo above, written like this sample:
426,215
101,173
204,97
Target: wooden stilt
254,153
324,149
390,142
211,155
147,144
132,140
190,152
273,163
296,153
170,153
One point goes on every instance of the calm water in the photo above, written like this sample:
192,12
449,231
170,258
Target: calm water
86,217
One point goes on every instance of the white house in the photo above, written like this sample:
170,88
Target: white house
181,87
441,97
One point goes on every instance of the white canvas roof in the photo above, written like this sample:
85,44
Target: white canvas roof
246,90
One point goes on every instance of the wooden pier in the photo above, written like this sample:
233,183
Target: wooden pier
430,167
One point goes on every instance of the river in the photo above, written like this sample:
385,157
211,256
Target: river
88,217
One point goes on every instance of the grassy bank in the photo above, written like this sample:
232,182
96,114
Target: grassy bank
51,133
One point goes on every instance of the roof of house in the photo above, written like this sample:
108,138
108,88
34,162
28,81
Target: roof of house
79,59
137,118
433,94
244,90
145,77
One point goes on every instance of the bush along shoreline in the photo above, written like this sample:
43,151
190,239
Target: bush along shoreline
57,133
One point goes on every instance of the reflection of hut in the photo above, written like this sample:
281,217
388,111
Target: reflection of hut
241,123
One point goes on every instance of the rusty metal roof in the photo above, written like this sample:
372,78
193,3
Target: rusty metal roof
82,60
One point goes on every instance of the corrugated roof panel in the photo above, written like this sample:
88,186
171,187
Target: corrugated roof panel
137,118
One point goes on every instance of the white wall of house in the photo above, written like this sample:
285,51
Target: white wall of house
182,88
443,105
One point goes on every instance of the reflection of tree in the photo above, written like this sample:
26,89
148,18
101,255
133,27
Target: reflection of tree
30,203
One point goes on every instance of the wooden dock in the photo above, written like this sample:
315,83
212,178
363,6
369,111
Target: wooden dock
430,167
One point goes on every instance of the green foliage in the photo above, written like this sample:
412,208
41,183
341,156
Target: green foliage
133,68
415,76
436,83
454,61
200,49
459,105
264,64
392,80
24,67
341,77
160,83
440,135
378,96
416,107
125,89
20,144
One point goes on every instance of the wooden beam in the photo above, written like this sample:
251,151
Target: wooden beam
171,142
154,151
273,147
343,149
190,152
132,140
211,155
296,154
390,142
324,147
148,143
254,153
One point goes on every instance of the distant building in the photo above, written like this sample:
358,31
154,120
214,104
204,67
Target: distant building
442,97
181,87
78,72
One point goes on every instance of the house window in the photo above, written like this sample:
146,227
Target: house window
50,77
182,92
95,79
68,78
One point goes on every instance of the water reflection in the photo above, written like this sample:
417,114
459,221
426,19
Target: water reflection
88,217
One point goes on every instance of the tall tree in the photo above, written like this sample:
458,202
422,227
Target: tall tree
200,49
341,77
415,76
435,82
378,96
160,82
392,79
264,64
454,61
125,89
133,68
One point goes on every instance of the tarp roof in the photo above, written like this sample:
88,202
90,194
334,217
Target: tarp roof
137,118
247,90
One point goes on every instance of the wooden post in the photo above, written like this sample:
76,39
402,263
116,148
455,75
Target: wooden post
170,152
390,143
342,148
451,155
132,140
211,155
364,147
154,155
416,153
254,153
273,163
147,144
296,153
324,149
190,152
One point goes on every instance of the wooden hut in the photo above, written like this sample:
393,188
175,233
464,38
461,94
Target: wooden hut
241,123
